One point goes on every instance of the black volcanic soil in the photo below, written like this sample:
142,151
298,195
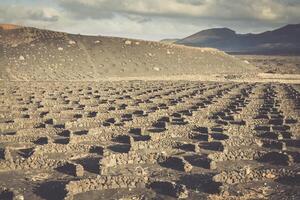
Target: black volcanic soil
213,130
149,140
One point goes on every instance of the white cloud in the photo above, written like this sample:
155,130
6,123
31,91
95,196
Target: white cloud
12,13
213,9
153,19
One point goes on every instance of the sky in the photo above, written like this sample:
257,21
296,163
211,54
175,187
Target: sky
150,19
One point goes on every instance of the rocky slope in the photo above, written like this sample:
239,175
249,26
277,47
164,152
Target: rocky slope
34,54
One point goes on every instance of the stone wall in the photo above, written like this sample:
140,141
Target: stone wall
62,148
132,157
103,183
247,175
239,154
159,144
34,162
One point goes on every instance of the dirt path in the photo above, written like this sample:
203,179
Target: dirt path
255,78
87,55
5,71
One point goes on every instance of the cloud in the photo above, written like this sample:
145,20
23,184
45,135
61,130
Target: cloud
151,19
264,10
21,13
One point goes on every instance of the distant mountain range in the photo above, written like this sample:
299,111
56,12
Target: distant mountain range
285,40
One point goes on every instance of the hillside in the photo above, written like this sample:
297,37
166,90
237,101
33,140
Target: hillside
9,26
283,40
34,54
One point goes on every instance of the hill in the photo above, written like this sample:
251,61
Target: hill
9,26
34,54
284,40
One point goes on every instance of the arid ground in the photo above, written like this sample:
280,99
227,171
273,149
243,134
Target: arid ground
171,122
275,64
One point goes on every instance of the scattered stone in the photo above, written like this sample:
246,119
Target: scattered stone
6,154
212,164
128,42
270,176
156,69
71,42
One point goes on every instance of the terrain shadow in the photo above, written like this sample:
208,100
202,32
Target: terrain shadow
51,190
201,182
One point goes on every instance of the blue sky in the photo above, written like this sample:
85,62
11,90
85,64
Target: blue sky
150,19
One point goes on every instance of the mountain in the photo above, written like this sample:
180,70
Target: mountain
283,40
33,54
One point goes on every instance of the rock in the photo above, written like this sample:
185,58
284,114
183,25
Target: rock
248,170
71,42
212,165
7,155
79,170
60,49
21,58
187,167
224,190
181,192
18,197
156,69
270,176
128,42
140,171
